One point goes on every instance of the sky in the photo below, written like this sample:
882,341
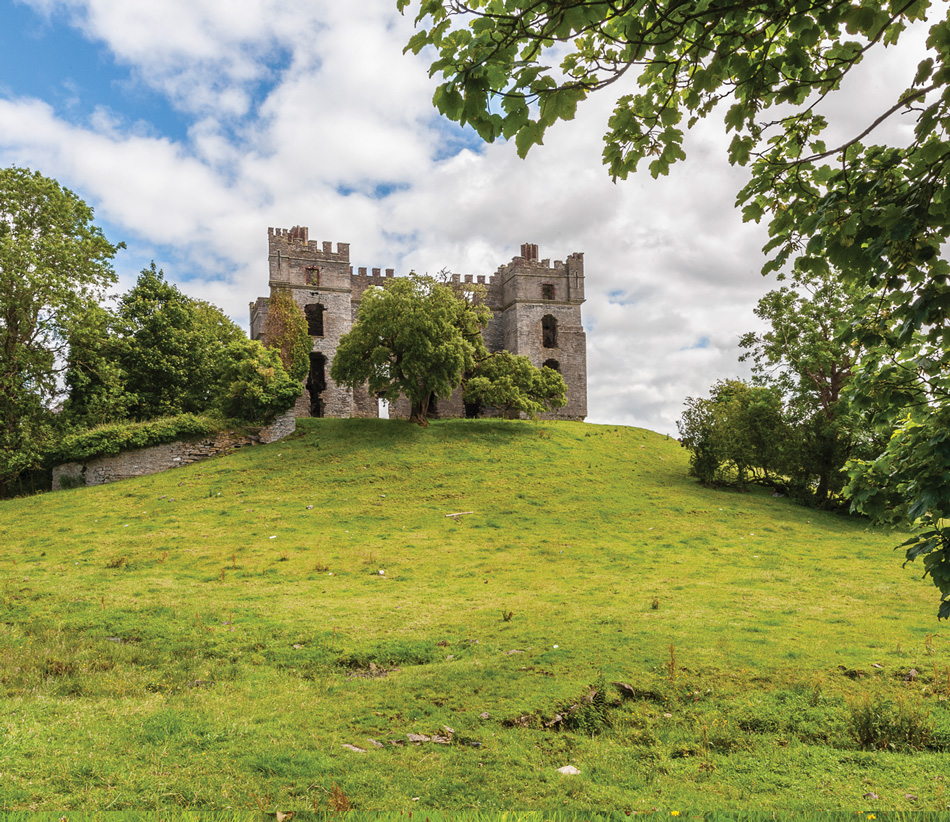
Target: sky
191,126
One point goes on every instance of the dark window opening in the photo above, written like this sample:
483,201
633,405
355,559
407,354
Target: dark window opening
553,364
547,291
317,383
313,275
314,315
549,332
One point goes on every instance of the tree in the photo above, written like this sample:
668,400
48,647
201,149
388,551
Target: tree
95,379
875,216
413,337
805,355
514,385
737,434
286,330
171,347
54,267
163,353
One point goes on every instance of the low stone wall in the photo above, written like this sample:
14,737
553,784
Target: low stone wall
157,458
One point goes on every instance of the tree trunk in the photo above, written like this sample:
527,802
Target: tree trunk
419,412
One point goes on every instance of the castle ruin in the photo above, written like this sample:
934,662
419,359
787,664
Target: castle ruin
536,312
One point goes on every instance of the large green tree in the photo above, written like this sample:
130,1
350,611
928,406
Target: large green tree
805,352
738,434
163,353
171,348
54,267
873,215
414,337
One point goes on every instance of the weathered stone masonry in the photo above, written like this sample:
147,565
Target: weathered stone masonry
143,461
536,312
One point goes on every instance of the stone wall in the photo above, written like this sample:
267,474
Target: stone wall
144,461
525,296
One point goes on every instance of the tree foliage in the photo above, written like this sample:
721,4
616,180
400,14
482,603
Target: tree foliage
875,216
171,348
163,354
54,267
514,385
413,337
736,435
806,354
286,331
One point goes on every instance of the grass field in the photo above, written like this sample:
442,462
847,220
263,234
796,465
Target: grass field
265,631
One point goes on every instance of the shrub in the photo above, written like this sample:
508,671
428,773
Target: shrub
881,723
110,439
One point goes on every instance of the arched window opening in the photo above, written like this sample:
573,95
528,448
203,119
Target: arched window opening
317,383
547,291
553,364
549,331
314,315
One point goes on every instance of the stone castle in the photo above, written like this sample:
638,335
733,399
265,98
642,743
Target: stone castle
536,312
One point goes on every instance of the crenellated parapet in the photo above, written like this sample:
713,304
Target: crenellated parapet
360,281
297,240
529,279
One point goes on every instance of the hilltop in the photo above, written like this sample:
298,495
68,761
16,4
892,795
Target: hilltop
216,635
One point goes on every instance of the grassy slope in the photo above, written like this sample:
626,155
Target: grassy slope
205,638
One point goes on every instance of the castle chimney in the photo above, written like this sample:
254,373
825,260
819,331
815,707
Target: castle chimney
529,251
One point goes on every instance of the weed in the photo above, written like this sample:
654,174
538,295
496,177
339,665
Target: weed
671,665
338,801
591,713
655,604
56,667
507,615
879,722
390,654
117,562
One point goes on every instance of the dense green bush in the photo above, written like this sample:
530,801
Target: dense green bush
112,438
162,354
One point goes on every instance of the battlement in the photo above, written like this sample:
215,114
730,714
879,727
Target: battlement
479,280
361,272
298,239
529,263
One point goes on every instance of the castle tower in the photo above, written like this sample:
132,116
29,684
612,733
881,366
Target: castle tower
320,281
537,313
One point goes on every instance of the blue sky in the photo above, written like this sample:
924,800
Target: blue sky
44,57
191,126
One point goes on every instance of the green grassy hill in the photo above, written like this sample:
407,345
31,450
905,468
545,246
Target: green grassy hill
215,636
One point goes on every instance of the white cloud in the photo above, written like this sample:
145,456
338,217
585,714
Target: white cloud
299,109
